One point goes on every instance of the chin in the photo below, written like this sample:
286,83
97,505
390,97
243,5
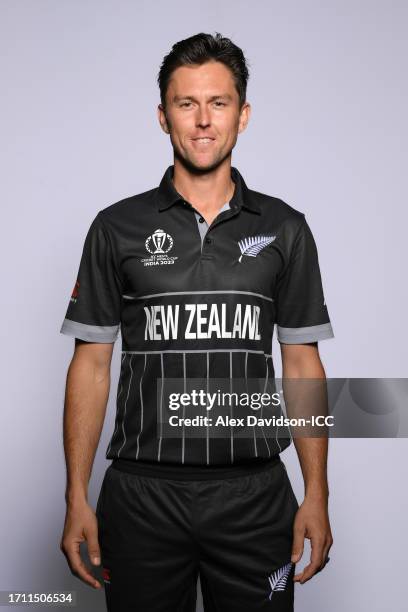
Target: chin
201,166
206,165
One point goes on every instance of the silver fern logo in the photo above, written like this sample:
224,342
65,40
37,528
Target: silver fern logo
252,245
279,578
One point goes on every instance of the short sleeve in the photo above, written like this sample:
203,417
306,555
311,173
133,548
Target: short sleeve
301,311
94,308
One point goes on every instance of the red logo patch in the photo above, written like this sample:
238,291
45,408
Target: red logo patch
75,291
106,574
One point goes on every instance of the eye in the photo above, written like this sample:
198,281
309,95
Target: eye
185,104
218,103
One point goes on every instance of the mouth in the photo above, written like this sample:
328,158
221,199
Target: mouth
203,141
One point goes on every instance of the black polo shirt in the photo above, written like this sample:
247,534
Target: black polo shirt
193,303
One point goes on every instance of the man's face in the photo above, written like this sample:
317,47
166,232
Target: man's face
202,114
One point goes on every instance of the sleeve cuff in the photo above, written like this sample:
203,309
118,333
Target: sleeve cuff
302,335
90,333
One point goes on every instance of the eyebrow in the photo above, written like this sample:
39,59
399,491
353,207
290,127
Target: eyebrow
212,98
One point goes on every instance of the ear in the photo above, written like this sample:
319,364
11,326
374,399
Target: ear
244,116
161,114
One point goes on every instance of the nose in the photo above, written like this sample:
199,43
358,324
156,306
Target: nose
203,117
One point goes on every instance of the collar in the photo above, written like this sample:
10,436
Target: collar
167,195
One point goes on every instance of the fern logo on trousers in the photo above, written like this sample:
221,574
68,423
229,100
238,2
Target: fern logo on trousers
253,245
279,578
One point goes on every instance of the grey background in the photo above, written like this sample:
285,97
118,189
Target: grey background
328,134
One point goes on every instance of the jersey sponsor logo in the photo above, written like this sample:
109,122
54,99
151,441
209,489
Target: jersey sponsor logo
252,245
201,321
279,578
158,245
74,295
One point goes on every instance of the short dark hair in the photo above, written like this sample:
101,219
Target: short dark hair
202,48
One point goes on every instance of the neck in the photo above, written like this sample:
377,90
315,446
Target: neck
207,192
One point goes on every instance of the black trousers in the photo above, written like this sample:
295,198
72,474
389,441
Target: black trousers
158,534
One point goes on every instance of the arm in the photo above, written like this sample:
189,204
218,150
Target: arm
312,520
86,396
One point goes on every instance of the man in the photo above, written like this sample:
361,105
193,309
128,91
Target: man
195,273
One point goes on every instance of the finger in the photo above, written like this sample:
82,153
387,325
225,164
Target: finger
326,557
316,560
94,552
310,570
78,567
323,565
297,544
82,572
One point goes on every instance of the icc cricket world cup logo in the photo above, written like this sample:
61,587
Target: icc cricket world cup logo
161,241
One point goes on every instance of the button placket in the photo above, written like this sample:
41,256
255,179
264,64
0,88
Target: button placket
207,241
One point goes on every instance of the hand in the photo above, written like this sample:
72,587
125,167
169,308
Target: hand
312,522
81,525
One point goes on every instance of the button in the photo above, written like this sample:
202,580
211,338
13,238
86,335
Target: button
201,220
208,240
